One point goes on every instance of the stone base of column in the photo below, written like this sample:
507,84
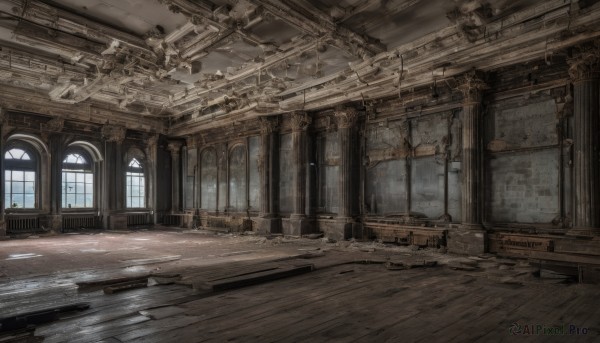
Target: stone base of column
298,225
52,222
268,225
117,221
343,228
467,240
3,230
584,232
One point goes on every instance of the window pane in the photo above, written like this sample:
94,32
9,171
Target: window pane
7,200
7,175
7,187
29,176
30,187
71,177
17,187
135,181
29,201
70,187
89,188
89,200
79,188
79,200
18,175
135,202
70,200
89,178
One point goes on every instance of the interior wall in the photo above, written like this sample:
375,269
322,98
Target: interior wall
411,165
208,179
328,159
523,160
253,173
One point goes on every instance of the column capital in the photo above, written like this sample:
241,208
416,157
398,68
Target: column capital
346,117
471,85
584,63
174,147
268,125
300,121
114,133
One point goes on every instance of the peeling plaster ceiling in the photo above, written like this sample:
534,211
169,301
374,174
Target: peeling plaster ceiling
189,60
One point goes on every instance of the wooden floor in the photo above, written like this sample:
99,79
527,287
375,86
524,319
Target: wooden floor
343,300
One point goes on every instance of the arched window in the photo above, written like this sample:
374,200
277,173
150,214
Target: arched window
20,178
77,181
136,185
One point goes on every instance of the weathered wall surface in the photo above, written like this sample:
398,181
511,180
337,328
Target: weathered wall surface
328,159
191,166
237,179
409,165
523,161
208,179
253,173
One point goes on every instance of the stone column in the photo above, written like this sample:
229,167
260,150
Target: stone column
269,171
299,224
54,220
470,238
175,150
151,155
585,74
114,189
346,118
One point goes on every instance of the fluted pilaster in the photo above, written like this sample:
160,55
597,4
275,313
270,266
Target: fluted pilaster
471,85
585,74
346,118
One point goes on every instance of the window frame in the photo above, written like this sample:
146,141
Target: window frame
32,165
139,173
87,168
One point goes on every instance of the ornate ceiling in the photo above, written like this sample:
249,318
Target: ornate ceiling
194,64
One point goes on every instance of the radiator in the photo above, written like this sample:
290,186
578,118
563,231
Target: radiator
90,221
139,219
22,224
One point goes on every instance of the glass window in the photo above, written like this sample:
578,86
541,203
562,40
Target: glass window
77,182
135,182
20,179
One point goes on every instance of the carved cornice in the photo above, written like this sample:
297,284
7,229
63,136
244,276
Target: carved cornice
471,85
585,63
268,125
53,125
300,121
113,133
346,117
